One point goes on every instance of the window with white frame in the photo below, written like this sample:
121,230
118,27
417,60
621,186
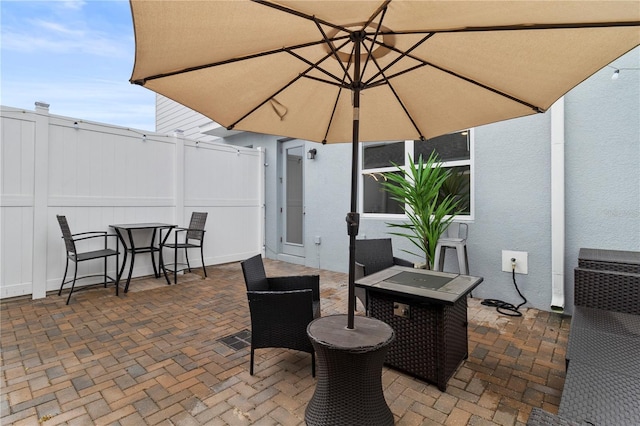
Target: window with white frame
378,159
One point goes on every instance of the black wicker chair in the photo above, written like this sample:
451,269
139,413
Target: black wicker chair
194,238
75,256
280,308
372,256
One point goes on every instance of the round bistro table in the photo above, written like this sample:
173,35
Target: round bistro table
349,373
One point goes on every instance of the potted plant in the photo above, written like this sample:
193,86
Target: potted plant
420,189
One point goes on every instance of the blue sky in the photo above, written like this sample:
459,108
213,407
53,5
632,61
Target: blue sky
76,56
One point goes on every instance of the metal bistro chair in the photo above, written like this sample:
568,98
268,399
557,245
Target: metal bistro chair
194,238
73,255
372,256
281,308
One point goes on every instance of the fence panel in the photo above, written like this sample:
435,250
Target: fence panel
97,174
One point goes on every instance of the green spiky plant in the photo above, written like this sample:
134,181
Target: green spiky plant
418,190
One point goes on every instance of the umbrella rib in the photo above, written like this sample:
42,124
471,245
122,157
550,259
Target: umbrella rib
395,94
521,27
142,81
467,79
315,66
335,104
301,15
385,79
403,54
333,113
321,80
333,50
299,76
254,109
375,36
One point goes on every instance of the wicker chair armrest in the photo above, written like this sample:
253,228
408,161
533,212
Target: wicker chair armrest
97,234
402,262
89,237
191,229
177,231
296,282
88,233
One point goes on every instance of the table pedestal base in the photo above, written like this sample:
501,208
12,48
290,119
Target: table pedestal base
349,372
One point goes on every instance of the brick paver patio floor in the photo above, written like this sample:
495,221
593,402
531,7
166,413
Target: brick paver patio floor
155,356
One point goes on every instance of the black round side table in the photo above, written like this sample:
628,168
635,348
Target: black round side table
349,373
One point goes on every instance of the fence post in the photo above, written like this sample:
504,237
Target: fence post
178,193
40,202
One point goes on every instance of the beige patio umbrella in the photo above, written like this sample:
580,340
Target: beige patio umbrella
350,71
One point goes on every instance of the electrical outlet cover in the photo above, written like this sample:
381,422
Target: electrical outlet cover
522,261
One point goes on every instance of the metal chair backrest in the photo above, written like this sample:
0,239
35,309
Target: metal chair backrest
457,230
196,226
255,277
66,234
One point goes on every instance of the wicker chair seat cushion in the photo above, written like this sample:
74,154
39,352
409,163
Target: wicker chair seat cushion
614,322
614,352
599,396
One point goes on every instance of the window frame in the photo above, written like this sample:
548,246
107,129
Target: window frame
408,151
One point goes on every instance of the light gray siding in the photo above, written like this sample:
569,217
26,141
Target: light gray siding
171,116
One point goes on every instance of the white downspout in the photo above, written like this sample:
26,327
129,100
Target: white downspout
262,179
557,206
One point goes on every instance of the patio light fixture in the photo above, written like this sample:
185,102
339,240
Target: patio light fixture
311,154
616,71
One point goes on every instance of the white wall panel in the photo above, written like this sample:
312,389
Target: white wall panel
224,181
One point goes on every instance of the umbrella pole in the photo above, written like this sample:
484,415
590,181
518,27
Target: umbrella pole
353,218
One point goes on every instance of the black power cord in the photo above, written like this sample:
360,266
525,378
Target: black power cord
503,307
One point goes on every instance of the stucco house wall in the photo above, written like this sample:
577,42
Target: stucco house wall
512,172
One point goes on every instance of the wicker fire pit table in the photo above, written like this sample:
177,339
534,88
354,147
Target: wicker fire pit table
349,388
428,312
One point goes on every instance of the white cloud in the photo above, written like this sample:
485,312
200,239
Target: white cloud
54,37
56,28
73,4
75,55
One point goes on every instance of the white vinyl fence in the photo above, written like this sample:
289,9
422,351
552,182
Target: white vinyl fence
96,175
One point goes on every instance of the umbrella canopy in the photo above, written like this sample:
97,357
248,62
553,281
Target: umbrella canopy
353,71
